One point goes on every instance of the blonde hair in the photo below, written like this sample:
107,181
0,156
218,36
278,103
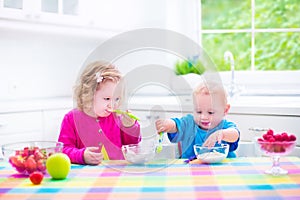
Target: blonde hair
88,82
213,88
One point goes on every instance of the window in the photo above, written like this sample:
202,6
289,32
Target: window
261,34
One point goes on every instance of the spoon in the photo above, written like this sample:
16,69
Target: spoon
159,147
132,116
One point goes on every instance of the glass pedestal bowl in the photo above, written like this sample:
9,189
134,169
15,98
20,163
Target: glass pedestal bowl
275,150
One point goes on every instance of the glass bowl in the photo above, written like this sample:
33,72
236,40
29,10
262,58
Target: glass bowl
211,154
138,154
30,156
275,150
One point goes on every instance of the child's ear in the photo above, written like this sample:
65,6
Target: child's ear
227,107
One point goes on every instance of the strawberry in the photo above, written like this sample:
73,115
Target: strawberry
38,155
31,151
41,166
36,177
24,153
30,164
17,162
292,137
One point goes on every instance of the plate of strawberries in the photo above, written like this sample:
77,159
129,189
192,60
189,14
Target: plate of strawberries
275,145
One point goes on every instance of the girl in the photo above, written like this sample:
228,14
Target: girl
92,131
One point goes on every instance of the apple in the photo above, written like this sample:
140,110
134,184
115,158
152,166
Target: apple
58,165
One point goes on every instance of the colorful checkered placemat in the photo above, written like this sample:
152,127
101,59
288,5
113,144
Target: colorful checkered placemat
239,178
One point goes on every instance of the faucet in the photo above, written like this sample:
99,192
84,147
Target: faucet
229,57
233,88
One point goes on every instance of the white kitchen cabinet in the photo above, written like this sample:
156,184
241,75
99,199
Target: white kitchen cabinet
104,17
247,122
52,122
110,15
42,11
278,123
36,119
23,126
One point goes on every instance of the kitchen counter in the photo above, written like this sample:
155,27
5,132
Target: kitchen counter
237,178
29,105
264,105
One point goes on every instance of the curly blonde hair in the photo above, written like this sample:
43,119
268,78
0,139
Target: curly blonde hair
87,83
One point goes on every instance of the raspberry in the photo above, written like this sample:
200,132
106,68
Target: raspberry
266,136
284,136
278,137
260,140
270,132
271,139
292,137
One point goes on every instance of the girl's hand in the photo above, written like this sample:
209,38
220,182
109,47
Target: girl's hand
213,138
126,120
92,156
165,125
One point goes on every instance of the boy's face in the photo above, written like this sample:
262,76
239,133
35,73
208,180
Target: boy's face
209,110
107,98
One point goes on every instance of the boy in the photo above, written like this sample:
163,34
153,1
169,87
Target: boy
207,125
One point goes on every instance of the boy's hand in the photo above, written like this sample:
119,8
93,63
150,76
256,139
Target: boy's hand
92,156
165,125
213,138
126,120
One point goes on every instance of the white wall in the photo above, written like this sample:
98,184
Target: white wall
38,64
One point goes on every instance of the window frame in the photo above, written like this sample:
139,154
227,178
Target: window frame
280,80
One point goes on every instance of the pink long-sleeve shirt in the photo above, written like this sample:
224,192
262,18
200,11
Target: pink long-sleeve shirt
79,130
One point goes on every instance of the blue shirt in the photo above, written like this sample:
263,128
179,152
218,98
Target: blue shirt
189,133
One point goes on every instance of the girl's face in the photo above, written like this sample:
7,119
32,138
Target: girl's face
208,111
106,99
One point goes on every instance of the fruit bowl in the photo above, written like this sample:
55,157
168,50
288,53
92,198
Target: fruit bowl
138,154
275,146
211,154
30,156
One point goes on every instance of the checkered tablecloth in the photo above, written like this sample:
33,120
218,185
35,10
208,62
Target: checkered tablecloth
239,178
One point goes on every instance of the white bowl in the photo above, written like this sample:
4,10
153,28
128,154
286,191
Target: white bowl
211,154
138,154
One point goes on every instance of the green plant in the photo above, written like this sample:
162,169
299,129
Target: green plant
187,66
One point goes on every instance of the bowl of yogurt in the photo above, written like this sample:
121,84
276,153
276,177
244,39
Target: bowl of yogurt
211,154
138,153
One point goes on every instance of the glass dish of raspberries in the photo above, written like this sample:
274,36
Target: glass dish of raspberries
276,145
